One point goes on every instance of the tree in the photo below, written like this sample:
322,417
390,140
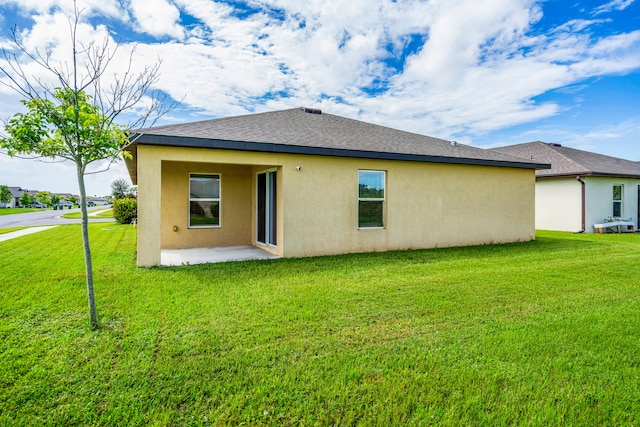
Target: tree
26,199
43,197
121,189
74,119
5,194
55,199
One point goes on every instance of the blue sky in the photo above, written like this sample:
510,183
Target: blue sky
482,72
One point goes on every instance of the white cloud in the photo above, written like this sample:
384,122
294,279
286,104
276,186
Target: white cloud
106,8
49,40
612,5
478,68
460,33
157,18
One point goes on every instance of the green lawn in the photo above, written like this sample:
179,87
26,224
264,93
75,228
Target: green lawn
540,333
12,211
105,213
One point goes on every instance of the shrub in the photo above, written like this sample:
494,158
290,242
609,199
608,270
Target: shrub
125,210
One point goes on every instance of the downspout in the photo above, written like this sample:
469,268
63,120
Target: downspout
583,204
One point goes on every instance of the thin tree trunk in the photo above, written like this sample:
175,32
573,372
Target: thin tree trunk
93,313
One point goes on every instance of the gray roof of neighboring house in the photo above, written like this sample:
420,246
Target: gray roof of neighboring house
567,161
309,131
17,191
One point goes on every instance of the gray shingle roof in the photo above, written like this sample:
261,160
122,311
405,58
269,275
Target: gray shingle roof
567,161
17,191
299,131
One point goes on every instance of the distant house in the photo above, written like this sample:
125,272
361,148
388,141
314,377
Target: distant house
581,188
96,201
17,192
12,202
301,182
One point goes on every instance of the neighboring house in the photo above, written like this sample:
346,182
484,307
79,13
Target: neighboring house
301,182
581,188
17,192
13,202
96,201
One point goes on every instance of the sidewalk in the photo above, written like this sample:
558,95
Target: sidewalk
96,213
26,231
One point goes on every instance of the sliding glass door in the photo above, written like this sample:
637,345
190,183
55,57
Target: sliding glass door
267,214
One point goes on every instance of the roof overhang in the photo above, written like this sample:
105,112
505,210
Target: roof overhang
263,147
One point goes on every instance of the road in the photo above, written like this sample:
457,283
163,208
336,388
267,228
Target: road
46,217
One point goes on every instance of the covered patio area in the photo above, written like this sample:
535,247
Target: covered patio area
190,256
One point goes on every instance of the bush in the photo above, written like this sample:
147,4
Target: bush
125,210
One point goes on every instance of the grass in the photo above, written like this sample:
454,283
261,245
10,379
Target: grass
106,213
10,229
13,211
539,333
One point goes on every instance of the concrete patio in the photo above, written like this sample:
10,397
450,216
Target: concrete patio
175,257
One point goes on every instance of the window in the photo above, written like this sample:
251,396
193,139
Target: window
204,200
371,196
617,201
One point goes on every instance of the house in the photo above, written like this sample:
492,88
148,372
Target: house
16,192
13,202
582,189
301,182
96,201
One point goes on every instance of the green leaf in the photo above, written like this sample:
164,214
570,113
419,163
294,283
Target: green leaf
70,126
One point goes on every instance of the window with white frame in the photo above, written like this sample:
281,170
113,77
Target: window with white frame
204,200
617,200
371,198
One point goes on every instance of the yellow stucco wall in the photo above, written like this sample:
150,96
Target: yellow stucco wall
149,206
427,204
236,206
